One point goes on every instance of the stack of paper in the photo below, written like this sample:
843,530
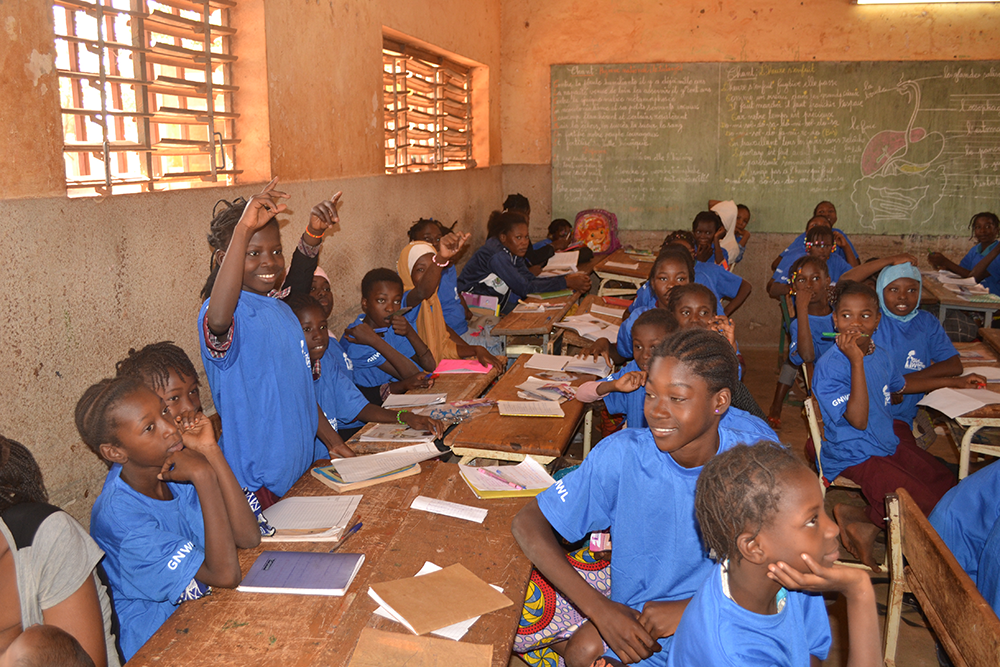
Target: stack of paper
957,402
561,264
310,519
590,327
530,409
949,278
620,265
397,401
528,474
616,313
438,599
537,389
329,476
555,362
370,466
302,573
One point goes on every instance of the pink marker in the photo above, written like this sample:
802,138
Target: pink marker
498,478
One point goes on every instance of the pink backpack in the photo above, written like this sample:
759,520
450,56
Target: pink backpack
597,229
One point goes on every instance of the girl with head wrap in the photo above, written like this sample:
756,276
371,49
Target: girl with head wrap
420,266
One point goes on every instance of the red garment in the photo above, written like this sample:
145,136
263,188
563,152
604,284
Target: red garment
923,476
265,497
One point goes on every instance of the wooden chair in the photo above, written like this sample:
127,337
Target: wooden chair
816,432
964,623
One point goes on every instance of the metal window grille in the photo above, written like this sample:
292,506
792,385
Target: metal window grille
428,110
146,94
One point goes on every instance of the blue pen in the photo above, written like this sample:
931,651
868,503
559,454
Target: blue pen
355,528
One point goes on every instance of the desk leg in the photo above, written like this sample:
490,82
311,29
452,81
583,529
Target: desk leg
546,344
588,424
965,452
942,312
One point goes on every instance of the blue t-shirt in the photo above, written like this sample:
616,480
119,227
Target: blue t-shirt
336,393
992,281
451,302
624,340
844,445
644,296
716,631
818,325
366,360
725,284
965,516
630,403
800,244
153,551
836,266
263,390
647,499
913,346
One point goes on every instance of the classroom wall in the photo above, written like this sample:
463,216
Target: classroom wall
539,33
89,278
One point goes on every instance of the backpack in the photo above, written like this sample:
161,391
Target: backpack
597,229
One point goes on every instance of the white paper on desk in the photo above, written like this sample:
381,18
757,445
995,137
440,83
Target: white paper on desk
435,506
991,373
529,308
609,312
569,258
456,631
369,466
948,280
305,513
396,401
529,473
555,271
620,265
957,402
597,366
546,362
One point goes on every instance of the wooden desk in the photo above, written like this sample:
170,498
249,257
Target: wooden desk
232,629
458,387
572,338
948,300
513,438
992,338
611,274
537,324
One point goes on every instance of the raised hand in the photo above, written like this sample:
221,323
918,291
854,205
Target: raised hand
196,432
323,215
263,206
451,244
724,326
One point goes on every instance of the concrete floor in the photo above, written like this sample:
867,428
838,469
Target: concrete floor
916,642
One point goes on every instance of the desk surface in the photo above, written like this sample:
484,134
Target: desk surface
544,437
235,629
948,298
535,324
620,256
992,338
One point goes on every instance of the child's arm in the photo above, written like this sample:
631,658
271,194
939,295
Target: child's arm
429,282
421,353
221,566
618,624
80,615
322,217
922,385
229,283
939,261
776,262
856,411
864,271
602,347
777,289
395,364
482,355
742,240
720,234
379,415
981,269
335,445
849,254
589,392
856,586
804,338
198,435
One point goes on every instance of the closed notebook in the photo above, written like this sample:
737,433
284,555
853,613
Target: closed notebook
376,648
438,599
302,573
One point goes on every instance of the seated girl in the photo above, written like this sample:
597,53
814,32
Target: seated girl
644,297
819,243
724,284
845,249
48,564
982,262
420,266
708,233
498,268
624,391
640,482
761,515
341,401
742,233
853,384
171,515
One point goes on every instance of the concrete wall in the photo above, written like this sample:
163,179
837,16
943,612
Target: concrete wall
86,279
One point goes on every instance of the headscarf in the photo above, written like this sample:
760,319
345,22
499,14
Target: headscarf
430,320
727,211
892,273
322,274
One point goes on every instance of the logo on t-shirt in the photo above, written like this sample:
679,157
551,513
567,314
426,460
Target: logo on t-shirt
348,362
840,399
888,396
181,554
912,363
561,491
305,355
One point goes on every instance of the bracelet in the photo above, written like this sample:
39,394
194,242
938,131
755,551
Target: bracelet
434,259
399,414
311,235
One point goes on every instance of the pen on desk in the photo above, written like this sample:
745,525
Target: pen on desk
355,528
493,475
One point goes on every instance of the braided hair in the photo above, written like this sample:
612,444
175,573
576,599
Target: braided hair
415,228
93,416
851,287
738,492
677,253
681,291
657,317
154,363
516,202
20,476
679,235
302,302
707,354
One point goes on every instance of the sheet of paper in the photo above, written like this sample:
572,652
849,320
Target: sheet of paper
610,312
395,433
620,265
957,402
360,468
597,367
611,333
546,362
529,473
554,271
530,409
397,401
991,373
310,512
376,648
435,506
529,308
453,632
948,280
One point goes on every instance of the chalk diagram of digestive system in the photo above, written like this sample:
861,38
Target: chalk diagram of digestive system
903,176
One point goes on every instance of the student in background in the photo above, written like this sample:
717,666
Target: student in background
853,384
560,233
640,482
708,232
742,233
341,401
321,290
819,243
48,566
254,355
724,284
498,267
845,249
624,391
171,514
762,517
982,262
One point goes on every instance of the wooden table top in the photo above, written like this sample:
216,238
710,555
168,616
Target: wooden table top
622,257
992,338
948,298
535,324
990,352
229,628
458,387
571,337
540,436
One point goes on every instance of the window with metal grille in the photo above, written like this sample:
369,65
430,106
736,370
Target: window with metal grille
146,94
428,110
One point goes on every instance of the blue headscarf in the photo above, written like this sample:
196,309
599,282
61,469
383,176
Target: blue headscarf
893,273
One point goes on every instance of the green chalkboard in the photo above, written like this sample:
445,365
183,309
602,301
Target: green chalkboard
898,147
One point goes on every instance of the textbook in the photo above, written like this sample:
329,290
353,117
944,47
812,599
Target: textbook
397,401
528,474
302,573
310,518
329,476
370,466
555,362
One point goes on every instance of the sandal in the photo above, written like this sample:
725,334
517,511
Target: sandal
774,422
